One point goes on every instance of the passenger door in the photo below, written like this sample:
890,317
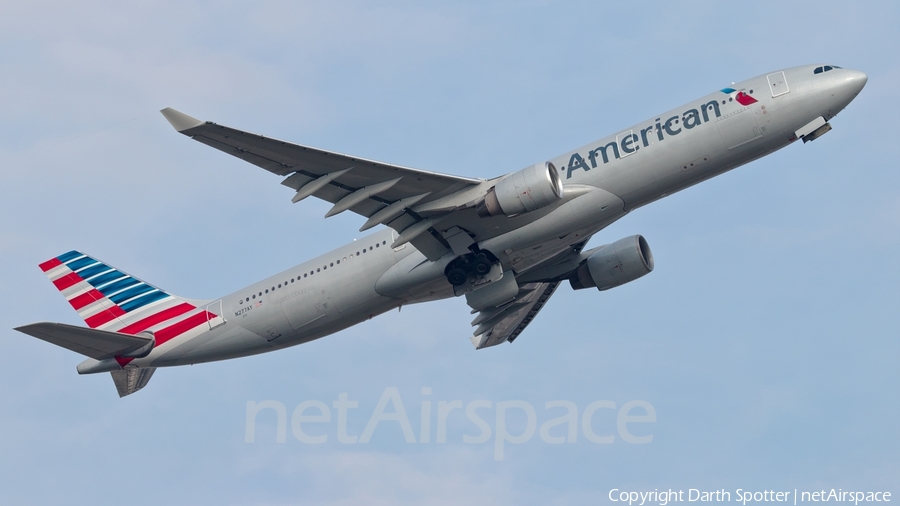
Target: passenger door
778,84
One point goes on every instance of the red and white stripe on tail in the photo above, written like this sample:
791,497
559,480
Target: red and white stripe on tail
109,299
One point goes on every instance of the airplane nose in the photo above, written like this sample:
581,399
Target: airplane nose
855,81
845,85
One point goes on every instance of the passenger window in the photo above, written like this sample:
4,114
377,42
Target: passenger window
332,264
267,290
254,295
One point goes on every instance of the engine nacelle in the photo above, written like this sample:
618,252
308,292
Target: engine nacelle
614,264
523,191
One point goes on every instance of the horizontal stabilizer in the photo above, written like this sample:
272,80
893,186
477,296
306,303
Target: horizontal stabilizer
129,381
98,344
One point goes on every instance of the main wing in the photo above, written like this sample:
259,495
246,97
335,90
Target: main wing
379,191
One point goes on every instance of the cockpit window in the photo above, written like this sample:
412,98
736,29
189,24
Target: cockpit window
826,68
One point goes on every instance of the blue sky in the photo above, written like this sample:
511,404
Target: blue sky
765,340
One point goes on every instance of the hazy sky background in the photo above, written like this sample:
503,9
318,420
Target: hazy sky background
766,338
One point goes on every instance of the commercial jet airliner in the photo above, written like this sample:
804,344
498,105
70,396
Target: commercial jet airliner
504,243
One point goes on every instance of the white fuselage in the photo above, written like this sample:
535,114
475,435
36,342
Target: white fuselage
624,171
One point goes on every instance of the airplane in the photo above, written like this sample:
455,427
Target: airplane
505,244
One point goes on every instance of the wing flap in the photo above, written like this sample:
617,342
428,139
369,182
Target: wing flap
514,321
98,344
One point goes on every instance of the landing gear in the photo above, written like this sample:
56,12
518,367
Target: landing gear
481,265
457,276
471,264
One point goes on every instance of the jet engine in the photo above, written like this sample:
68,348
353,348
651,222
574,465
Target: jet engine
614,264
523,191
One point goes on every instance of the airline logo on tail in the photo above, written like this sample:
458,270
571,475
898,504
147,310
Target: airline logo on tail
109,299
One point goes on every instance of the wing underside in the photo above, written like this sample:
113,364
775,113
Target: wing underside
505,323
496,325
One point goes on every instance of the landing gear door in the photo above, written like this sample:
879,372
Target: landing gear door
778,84
214,314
